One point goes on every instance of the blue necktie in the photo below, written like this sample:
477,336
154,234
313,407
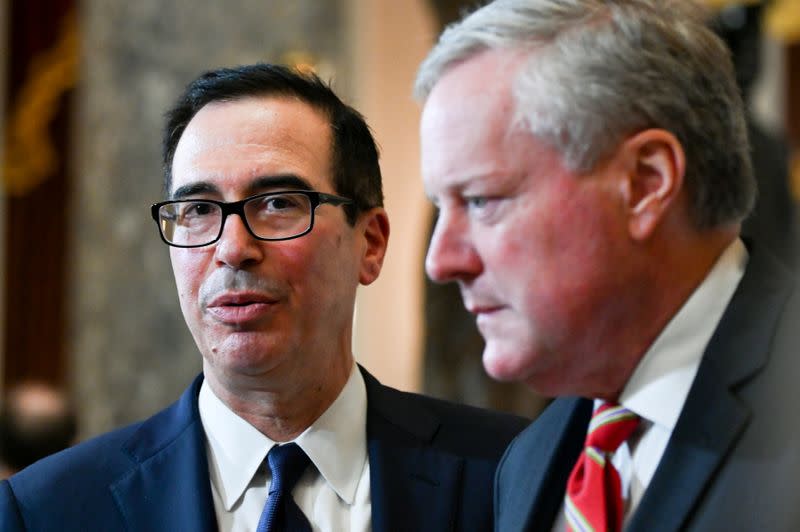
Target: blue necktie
281,514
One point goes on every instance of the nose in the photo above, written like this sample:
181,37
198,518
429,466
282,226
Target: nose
236,247
451,255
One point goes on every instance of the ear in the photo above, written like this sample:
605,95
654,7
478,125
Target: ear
655,163
375,227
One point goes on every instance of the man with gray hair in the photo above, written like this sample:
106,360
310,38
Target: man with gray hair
590,164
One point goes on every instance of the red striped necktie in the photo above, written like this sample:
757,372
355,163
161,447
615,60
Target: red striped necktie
593,502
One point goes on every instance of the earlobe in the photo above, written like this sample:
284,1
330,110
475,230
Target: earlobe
655,179
376,239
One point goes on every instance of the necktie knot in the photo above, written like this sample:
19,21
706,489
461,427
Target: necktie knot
594,492
610,426
287,463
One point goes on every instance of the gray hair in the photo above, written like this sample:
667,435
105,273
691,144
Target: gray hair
600,70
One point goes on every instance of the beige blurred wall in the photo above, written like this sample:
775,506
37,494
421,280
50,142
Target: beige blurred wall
389,39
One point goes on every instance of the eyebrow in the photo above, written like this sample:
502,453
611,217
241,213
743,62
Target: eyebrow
259,184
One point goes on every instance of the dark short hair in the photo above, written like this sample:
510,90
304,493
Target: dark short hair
354,165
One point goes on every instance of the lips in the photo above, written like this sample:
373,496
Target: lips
241,307
477,310
480,306
485,312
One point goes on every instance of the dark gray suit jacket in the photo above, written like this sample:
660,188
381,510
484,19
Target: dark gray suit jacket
733,461
432,465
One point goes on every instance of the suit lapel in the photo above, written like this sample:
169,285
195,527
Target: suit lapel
170,487
413,487
531,486
701,439
713,418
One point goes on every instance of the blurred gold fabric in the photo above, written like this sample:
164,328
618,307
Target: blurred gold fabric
782,20
781,17
719,4
30,155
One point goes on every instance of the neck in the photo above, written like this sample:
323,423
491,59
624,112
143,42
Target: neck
283,404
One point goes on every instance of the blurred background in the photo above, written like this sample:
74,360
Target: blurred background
88,305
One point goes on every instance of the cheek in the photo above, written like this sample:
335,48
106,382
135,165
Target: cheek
333,275
552,253
298,265
312,270
519,253
188,267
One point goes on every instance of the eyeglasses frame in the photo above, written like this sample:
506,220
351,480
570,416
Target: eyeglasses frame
237,207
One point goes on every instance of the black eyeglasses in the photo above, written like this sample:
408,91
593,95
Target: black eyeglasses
272,216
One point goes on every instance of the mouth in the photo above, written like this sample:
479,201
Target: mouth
240,308
484,315
482,309
489,320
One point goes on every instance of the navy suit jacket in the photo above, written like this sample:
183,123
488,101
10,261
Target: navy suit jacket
733,460
431,468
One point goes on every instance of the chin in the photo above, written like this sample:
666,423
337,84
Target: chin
245,356
503,366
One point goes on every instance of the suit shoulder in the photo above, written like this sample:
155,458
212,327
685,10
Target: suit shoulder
466,425
101,456
472,416
68,490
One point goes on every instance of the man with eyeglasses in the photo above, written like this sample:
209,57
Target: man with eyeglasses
274,218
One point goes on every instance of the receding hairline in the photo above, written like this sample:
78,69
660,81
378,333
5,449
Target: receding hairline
324,113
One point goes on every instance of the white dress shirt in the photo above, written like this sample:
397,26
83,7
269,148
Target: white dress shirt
658,388
333,492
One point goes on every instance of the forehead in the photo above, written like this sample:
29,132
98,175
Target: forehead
489,73
230,144
466,121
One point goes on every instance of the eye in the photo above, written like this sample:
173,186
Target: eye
280,203
476,202
484,209
283,204
196,209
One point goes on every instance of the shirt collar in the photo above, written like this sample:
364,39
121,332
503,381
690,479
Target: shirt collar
335,442
658,388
